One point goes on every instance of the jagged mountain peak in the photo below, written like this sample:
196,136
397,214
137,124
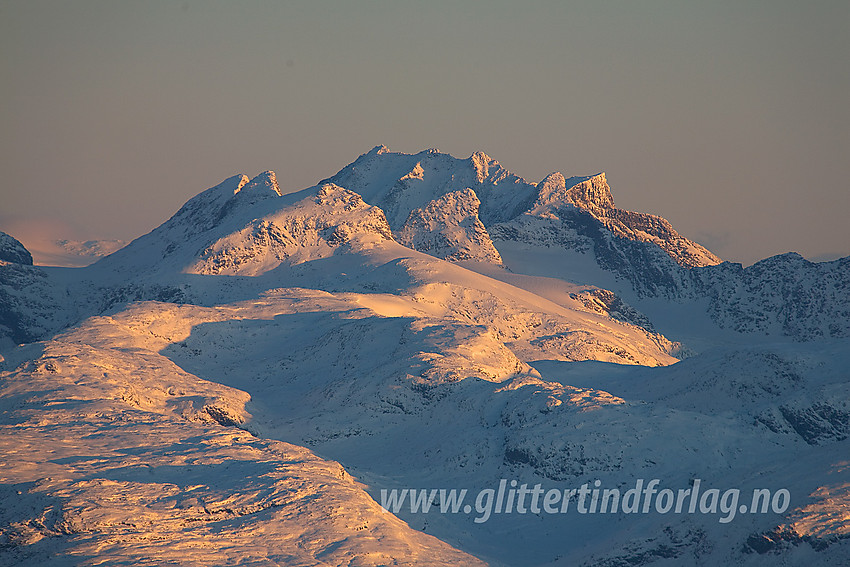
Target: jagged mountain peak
223,191
208,209
480,157
263,186
266,181
449,228
303,317
482,164
219,210
400,183
590,193
240,181
422,192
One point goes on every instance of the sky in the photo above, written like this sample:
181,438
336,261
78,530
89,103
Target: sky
728,118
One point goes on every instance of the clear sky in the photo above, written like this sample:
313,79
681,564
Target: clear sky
729,118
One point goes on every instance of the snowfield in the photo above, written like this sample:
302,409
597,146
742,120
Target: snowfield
243,384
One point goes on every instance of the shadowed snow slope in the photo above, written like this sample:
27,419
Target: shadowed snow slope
114,454
239,386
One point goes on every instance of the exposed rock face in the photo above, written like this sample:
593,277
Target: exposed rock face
454,209
449,228
575,213
309,229
647,269
781,295
593,195
29,306
26,303
304,317
400,183
11,250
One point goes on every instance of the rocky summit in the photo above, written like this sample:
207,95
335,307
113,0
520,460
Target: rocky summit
422,360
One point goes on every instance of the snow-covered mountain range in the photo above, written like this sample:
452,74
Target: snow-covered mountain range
239,385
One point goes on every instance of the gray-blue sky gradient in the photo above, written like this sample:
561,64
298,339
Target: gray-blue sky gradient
730,119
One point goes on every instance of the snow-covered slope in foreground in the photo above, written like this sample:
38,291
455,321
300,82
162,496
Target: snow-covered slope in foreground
114,455
241,385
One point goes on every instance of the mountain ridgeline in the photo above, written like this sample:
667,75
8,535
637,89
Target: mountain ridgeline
426,322
462,210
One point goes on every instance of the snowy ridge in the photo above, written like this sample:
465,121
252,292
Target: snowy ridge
400,183
576,213
419,321
216,208
307,230
593,195
781,295
640,267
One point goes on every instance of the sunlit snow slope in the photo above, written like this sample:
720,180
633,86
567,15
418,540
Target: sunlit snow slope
238,386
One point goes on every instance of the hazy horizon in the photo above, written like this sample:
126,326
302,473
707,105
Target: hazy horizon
728,120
